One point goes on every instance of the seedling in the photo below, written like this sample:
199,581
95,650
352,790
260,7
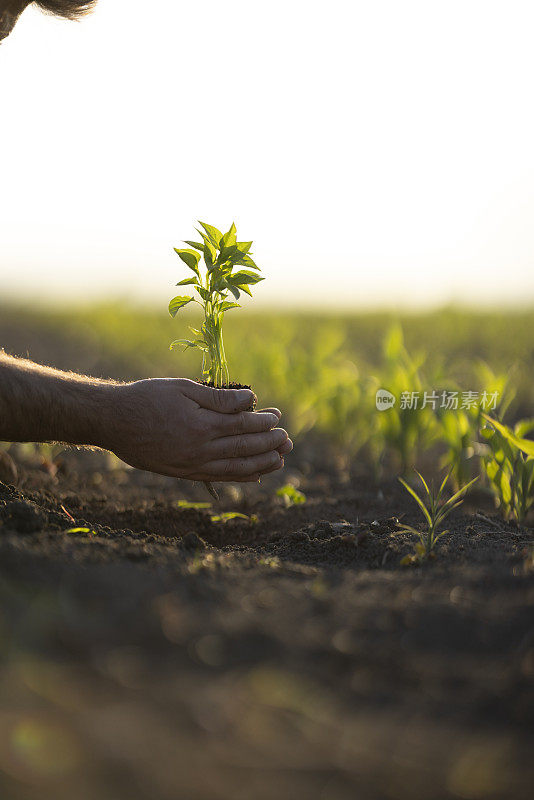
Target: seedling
290,495
228,516
509,466
223,276
435,511
189,504
82,530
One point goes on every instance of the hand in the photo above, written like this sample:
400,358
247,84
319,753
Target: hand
176,427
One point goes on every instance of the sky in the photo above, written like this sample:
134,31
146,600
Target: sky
378,153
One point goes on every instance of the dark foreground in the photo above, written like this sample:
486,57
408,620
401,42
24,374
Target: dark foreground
164,656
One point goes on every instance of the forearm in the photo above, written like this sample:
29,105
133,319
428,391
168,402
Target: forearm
40,404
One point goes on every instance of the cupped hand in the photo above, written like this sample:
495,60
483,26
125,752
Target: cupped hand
177,427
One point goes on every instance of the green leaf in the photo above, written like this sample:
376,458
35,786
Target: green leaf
177,303
187,281
444,482
248,262
229,238
213,233
291,495
219,284
189,257
227,516
189,504
209,255
205,295
196,245
184,342
244,247
227,306
424,483
81,530
227,252
525,445
418,500
460,492
243,278
235,291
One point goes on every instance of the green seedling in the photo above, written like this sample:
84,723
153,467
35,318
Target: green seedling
458,428
290,495
509,466
404,430
435,511
188,504
228,271
82,530
227,516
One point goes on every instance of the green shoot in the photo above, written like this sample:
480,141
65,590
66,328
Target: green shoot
189,504
290,495
82,530
435,511
228,516
228,270
509,466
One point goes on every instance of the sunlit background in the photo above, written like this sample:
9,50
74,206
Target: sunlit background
377,153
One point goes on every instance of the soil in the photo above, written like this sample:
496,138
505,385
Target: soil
157,654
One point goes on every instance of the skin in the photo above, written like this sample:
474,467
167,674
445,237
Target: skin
171,426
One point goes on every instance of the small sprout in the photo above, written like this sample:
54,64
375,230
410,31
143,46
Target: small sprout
82,530
291,495
188,504
226,516
435,511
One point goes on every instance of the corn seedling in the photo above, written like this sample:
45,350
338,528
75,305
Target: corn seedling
458,428
435,511
509,466
403,430
190,504
224,275
290,495
228,516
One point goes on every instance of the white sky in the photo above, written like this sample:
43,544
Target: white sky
377,152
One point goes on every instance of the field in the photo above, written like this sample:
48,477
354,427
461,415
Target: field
154,648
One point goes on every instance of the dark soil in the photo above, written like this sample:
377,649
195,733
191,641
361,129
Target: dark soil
159,655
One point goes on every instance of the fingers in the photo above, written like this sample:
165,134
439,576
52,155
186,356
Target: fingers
245,422
250,444
286,447
225,401
230,469
271,411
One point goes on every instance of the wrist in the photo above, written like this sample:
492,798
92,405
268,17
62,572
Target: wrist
106,422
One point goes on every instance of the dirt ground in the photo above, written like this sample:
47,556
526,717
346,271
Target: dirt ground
162,655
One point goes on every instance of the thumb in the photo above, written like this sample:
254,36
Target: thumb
225,401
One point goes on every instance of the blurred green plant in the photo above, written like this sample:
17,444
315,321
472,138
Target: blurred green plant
222,255
508,462
228,516
435,511
291,495
402,429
